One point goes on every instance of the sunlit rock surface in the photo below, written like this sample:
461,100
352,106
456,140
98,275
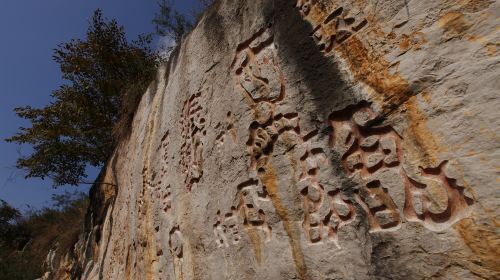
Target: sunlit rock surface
311,140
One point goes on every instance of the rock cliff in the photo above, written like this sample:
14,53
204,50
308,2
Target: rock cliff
310,139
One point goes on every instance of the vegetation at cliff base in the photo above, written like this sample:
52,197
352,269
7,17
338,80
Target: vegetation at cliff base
25,239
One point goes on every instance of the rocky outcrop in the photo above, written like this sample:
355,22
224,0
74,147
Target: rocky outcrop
311,140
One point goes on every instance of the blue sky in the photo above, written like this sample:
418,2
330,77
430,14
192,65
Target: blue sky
29,31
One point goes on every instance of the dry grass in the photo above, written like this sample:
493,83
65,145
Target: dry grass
45,229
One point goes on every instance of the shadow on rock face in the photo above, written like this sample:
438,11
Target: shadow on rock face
325,83
322,76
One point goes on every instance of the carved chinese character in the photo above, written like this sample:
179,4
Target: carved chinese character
224,131
342,213
163,148
364,148
313,197
332,30
257,71
340,210
249,206
175,242
226,228
263,137
438,205
380,209
193,132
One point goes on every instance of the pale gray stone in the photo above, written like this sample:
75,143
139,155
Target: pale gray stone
367,152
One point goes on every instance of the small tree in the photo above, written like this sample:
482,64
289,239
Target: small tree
170,22
8,216
104,71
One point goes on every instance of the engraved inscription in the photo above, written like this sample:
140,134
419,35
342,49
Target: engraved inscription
342,213
368,149
381,211
332,29
164,196
249,207
364,148
448,206
318,227
264,136
257,70
370,153
313,194
175,242
247,213
164,162
225,131
226,228
193,132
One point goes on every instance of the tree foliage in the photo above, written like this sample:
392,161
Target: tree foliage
9,216
26,239
170,22
104,73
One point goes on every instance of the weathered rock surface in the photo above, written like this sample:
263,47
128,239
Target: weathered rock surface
311,140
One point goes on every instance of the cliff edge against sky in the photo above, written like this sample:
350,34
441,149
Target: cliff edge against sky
310,140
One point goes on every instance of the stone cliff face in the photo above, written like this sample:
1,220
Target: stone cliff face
311,140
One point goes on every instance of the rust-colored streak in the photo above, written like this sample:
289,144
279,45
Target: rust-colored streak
147,235
414,40
453,23
270,180
128,264
390,90
490,47
293,163
233,135
405,43
366,66
483,240
317,14
419,134
255,239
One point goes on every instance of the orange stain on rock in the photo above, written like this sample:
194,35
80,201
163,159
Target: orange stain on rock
421,136
414,41
371,69
491,48
317,13
390,89
405,43
255,239
270,180
484,241
128,264
453,23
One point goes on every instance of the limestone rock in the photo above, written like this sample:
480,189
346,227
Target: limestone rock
320,139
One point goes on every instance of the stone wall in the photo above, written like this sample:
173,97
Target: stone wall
311,140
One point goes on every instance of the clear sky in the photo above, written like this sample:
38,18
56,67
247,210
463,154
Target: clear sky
29,30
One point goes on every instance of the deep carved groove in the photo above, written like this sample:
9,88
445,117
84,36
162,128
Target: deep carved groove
367,149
